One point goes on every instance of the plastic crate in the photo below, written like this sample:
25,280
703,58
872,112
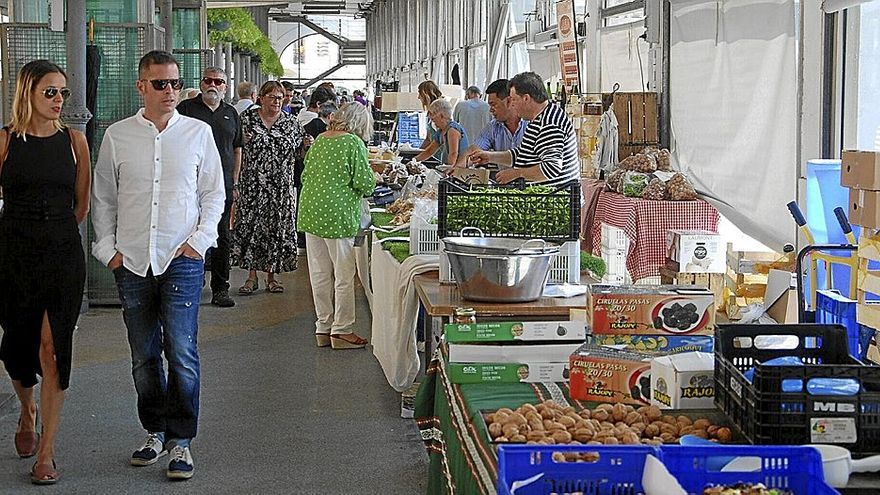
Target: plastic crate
618,470
835,309
423,239
767,414
614,238
565,268
501,210
794,468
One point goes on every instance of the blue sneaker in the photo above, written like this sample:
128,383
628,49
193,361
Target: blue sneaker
181,465
151,451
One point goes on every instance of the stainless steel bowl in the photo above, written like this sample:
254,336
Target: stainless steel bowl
498,245
500,278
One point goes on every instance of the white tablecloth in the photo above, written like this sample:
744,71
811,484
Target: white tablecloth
395,313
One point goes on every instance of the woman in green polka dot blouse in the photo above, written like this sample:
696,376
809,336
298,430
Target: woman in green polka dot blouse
337,176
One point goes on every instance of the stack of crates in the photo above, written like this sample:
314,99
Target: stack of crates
615,248
408,129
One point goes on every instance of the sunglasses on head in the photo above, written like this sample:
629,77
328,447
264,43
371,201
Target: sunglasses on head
213,81
161,84
51,91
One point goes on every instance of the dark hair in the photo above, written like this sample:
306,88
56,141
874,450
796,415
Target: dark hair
270,86
321,95
287,85
326,109
156,57
529,83
473,90
498,88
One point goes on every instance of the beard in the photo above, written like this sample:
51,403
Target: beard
211,97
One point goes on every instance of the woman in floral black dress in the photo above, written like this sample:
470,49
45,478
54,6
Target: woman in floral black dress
264,237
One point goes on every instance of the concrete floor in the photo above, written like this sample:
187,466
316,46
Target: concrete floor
278,415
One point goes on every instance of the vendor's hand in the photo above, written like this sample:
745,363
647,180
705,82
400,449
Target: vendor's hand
187,251
115,261
308,140
235,194
507,175
478,157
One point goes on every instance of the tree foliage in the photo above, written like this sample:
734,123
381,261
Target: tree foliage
245,36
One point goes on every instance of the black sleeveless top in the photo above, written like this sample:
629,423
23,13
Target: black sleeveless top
39,177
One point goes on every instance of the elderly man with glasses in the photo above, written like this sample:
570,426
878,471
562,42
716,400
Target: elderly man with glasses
225,123
156,202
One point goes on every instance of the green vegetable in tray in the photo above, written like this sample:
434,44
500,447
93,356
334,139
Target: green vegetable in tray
398,249
536,211
596,266
634,184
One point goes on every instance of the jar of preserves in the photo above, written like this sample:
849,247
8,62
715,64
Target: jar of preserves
465,316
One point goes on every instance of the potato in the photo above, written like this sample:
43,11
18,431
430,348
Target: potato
495,430
561,437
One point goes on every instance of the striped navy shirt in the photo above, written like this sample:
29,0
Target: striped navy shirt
551,143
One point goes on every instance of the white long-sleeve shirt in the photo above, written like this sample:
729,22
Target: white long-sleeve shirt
154,191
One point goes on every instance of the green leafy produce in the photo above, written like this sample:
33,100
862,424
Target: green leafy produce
536,211
596,266
398,249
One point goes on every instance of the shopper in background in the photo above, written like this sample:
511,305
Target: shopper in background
157,200
505,131
428,93
188,93
247,95
296,103
225,123
288,96
472,113
264,237
360,98
319,97
548,153
45,176
319,125
336,179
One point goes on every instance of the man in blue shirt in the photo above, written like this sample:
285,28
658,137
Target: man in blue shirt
505,131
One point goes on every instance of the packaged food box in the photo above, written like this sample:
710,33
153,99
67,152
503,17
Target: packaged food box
513,331
603,374
670,344
697,251
650,309
511,353
463,373
683,381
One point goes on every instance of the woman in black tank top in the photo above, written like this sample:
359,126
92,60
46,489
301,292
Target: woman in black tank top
45,179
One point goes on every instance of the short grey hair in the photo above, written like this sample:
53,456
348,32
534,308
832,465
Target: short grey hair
353,118
246,89
218,70
473,91
327,109
442,106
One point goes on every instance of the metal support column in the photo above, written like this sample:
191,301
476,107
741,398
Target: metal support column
230,88
218,56
75,113
166,16
248,70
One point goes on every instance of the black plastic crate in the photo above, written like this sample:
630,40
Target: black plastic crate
767,414
505,210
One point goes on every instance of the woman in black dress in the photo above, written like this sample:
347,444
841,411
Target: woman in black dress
44,178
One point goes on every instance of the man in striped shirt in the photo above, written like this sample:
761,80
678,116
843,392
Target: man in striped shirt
548,153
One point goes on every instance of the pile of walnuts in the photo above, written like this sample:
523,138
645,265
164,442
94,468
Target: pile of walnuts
549,423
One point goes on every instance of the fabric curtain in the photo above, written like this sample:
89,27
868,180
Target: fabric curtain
621,49
734,108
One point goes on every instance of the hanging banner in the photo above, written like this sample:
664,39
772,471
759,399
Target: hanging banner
568,50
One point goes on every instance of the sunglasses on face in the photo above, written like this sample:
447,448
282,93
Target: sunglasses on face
213,81
51,91
161,84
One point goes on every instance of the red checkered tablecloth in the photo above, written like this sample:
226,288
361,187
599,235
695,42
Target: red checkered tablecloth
645,223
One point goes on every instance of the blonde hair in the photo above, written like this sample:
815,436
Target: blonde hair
22,106
428,92
353,118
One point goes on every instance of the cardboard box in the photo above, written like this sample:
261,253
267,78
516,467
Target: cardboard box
401,102
864,208
671,344
513,331
511,353
697,251
650,309
462,373
603,374
860,170
471,175
780,300
683,381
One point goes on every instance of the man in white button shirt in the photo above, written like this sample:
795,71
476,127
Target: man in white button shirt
157,199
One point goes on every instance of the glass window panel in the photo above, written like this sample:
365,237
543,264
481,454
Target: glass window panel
517,59
869,78
519,9
477,67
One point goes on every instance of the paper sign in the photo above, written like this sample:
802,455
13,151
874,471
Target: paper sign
568,51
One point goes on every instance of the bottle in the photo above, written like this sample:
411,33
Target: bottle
558,89
465,316
549,93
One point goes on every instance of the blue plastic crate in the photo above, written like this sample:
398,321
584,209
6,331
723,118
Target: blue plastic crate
618,469
794,468
833,308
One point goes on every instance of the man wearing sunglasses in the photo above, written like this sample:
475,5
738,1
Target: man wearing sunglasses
157,199
210,108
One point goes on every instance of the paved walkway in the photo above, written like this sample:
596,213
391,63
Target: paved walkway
278,414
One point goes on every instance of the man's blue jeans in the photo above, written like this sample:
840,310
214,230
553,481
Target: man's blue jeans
161,314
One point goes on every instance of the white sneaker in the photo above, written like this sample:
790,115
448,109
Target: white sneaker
151,451
181,465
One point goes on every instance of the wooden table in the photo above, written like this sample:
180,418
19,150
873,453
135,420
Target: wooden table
440,300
